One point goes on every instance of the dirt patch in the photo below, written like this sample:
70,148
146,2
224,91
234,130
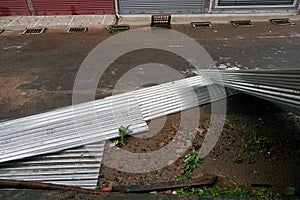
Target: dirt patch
257,146
11,95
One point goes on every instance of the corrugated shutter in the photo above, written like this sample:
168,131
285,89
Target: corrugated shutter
73,7
254,2
13,7
160,6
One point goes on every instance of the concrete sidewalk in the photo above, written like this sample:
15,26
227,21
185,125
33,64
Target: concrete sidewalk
214,18
55,22
100,21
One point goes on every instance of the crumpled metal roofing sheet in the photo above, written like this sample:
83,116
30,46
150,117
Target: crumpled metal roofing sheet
278,86
76,167
161,100
80,166
68,127
98,120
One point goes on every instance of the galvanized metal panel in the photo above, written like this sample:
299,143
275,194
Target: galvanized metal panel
168,98
98,120
13,7
278,86
73,7
160,6
76,167
80,166
69,127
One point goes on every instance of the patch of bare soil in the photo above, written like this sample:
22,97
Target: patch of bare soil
259,144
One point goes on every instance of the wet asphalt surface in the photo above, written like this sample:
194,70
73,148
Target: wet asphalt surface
37,72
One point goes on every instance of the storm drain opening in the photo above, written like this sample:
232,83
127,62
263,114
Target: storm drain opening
35,31
284,21
1,31
77,29
245,23
201,25
163,21
121,27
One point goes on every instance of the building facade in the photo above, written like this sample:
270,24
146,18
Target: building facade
124,7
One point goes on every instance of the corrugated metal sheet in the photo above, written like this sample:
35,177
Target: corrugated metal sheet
80,166
69,127
99,120
73,7
278,86
76,167
160,6
168,98
13,7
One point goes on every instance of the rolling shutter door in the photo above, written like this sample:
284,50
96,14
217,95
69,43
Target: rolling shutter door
73,7
13,7
160,6
256,3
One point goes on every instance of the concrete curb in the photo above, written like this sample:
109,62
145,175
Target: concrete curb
55,22
99,21
214,18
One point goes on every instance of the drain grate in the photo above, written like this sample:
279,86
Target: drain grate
77,29
121,27
163,21
246,23
201,24
284,21
1,31
35,31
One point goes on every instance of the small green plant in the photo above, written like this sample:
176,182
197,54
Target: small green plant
123,132
256,140
262,192
237,160
111,29
204,191
191,161
289,191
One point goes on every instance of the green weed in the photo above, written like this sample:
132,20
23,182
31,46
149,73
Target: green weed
190,162
123,132
289,191
111,29
255,140
237,160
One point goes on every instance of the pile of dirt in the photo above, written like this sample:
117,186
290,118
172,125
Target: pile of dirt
258,146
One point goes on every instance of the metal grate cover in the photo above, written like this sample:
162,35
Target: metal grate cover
201,25
284,21
121,27
246,23
77,29
163,21
35,31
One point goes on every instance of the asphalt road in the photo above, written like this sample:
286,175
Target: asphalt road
38,71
